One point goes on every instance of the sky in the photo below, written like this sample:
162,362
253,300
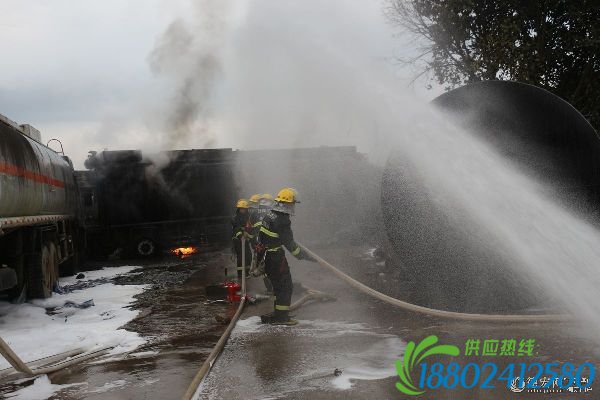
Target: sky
157,74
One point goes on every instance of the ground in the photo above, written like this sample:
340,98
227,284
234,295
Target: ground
167,318
363,338
347,348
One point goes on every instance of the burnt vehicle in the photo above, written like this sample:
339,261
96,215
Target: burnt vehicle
136,204
141,205
38,213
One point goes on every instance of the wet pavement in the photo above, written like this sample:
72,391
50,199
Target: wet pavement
179,328
363,338
342,349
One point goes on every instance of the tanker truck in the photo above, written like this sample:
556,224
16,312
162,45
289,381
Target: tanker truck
38,213
448,258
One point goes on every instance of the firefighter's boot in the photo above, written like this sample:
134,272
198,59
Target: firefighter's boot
282,317
266,318
278,318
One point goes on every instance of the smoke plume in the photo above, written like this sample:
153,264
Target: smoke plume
189,56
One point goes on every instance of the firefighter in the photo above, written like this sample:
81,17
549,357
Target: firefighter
253,204
276,233
257,210
265,204
253,224
255,217
239,225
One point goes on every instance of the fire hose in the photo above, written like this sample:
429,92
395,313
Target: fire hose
214,354
205,369
433,312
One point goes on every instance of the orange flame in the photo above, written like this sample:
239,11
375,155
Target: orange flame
184,251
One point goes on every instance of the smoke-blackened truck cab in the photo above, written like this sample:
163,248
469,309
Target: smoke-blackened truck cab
38,213
137,204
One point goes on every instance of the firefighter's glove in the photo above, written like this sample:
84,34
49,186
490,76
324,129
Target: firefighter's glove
260,251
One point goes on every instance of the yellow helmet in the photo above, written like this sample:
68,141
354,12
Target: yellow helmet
287,195
267,196
255,198
242,203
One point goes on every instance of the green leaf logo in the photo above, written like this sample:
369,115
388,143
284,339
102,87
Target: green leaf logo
413,355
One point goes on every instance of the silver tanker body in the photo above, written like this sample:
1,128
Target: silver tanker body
38,213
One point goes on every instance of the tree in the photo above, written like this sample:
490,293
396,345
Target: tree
554,44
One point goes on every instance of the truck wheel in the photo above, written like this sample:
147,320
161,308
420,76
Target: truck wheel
18,292
71,266
15,260
42,272
146,248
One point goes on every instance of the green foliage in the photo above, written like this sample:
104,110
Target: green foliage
554,44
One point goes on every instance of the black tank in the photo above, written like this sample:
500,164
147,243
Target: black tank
447,265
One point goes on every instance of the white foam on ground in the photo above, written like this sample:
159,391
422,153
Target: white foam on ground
313,328
32,334
371,252
248,325
98,274
41,389
326,328
372,361
375,362
317,327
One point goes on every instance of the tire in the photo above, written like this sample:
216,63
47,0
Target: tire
42,272
16,260
71,266
17,291
145,248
